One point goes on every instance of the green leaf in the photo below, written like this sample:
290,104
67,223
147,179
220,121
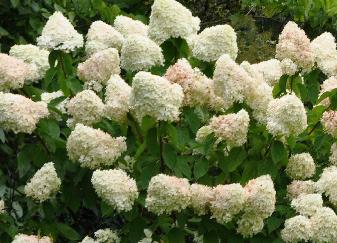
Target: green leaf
68,232
273,223
23,162
234,159
182,167
147,124
176,236
279,153
49,127
169,156
2,136
200,168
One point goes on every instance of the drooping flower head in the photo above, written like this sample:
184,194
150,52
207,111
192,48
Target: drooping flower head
44,184
301,166
155,96
93,148
128,26
116,188
171,19
59,34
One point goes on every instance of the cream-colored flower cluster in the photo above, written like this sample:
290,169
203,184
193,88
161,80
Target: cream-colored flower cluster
301,166
100,66
59,34
116,188
288,67
86,108
297,229
102,36
93,148
103,236
296,188
328,85
44,184
201,198
34,57
117,95
139,53
307,204
213,42
48,97
23,238
13,72
169,18
329,122
294,44
286,116
271,71
128,26
333,154
2,207
20,114
198,88
327,184
155,96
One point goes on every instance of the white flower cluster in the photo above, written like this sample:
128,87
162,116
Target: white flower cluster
93,148
231,128
2,206
286,116
333,154
99,66
328,85
329,122
44,184
13,72
231,82
169,18
296,188
20,114
201,198
117,95
198,88
155,96
116,188
140,53
297,229
166,194
288,67
102,36
228,201
59,34
213,42
295,45
103,236
325,53
128,26
301,166
34,57
327,184
22,238
48,97
307,204
86,108
271,71
259,205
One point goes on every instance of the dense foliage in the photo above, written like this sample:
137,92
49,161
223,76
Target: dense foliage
158,133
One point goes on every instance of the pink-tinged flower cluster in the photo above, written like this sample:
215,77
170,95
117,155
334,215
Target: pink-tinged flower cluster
329,122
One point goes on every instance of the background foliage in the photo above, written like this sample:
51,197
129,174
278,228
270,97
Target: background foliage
77,211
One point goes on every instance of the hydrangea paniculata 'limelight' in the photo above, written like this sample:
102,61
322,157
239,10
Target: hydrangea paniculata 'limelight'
249,224
307,204
324,49
22,238
20,114
231,82
93,148
169,19
228,201
117,96
86,107
34,57
295,45
44,184
13,72
167,193
288,67
155,96
286,116
128,26
296,188
100,66
198,88
231,128
270,70
301,166
327,184
324,226
202,133
59,34
102,36
116,188
103,236
140,53
328,85
333,154
329,122
297,229
201,197
261,196
213,42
